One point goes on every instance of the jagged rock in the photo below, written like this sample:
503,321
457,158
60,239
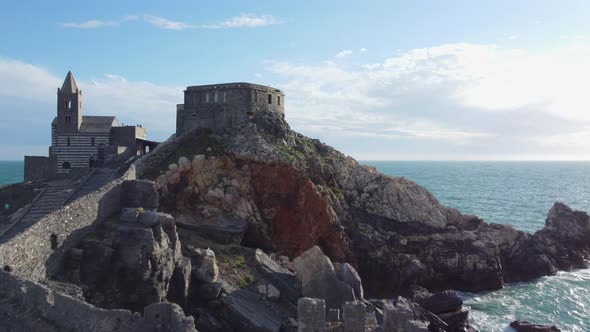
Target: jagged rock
284,280
180,282
318,279
205,265
524,326
151,219
311,315
348,274
128,265
219,227
209,291
159,317
140,194
456,321
129,215
247,313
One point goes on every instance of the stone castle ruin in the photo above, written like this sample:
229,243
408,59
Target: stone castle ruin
225,105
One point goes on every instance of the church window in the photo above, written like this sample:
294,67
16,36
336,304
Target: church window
66,165
194,114
224,96
255,96
207,97
269,98
279,100
69,141
6,206
215,99
69,103
92,142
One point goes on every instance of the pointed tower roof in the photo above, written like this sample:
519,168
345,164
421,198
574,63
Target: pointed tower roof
69,85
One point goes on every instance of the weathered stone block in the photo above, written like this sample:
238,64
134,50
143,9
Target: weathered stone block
311,314
353,316
140,193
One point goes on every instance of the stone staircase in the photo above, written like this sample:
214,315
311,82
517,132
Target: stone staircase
50,200
98,178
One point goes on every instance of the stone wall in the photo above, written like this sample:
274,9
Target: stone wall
225,105
30,254
31,306
39,168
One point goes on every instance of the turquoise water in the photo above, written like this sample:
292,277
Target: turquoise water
11,172
521,194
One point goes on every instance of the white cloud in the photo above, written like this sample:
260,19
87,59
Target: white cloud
241,21
343,54
245,21
472,96
91,24
167,24
362,50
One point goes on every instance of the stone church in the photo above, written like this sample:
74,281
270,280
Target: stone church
79,142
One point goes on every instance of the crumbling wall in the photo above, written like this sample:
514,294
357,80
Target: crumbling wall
37,253
30,304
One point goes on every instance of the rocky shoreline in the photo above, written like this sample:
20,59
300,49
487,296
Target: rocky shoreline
259,228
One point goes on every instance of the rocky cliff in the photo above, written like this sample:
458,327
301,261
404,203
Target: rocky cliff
288,193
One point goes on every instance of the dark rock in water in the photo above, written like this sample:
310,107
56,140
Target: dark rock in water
443,302
247,312
286,282
524,326
456,321
140,194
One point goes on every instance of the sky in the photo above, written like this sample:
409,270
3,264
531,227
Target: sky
378,80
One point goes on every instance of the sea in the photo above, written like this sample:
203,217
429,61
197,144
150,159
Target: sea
517,193
520,194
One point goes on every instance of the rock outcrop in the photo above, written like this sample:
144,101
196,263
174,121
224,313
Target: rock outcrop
524,326
295,193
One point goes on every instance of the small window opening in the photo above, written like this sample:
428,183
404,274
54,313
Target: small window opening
53,240
224,96
255,96
215,99
66,165
269,98
69,141
279,100
194,114
207,97
6,206
92,141
69,103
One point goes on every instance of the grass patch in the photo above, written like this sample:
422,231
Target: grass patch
338,193
246,280
290,153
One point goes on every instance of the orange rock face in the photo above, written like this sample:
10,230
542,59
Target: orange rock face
299,216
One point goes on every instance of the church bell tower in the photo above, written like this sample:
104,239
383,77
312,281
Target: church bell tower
69,106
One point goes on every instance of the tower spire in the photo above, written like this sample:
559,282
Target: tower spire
69,85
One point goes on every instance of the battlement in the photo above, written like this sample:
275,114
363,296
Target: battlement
225,105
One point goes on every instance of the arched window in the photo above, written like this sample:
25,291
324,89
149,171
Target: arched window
279,100
269,98
66,165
